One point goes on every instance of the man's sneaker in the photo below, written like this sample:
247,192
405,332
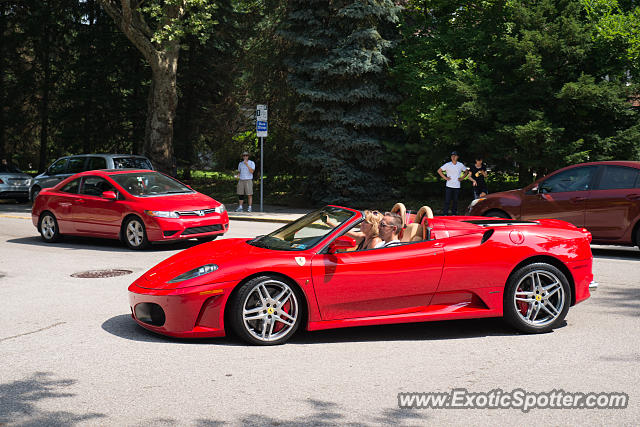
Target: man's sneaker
239,209
249,209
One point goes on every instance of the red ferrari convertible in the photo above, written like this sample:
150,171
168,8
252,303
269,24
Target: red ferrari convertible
307,274
136,206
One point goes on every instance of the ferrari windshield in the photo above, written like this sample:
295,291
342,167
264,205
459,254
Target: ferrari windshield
142,184
306,232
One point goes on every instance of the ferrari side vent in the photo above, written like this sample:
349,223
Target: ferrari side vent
487,235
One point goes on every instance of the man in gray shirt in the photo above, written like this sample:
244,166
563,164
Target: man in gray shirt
245,181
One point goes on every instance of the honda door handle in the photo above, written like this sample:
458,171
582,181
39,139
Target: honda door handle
578,199
633,197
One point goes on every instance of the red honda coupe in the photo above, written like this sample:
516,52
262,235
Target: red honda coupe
309,274
135,206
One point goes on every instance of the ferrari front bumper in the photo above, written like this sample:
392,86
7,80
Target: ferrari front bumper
193,312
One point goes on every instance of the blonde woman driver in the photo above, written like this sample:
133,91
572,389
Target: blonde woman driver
368,237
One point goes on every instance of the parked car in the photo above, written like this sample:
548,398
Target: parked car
14,184
308,274
604,197
135,206
64,167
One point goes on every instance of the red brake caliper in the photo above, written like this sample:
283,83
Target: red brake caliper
279,325
522,306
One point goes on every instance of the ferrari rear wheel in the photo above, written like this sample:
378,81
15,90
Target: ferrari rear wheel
537,298
49,228
266,311
135,234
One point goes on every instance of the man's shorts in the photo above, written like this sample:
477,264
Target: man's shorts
245,187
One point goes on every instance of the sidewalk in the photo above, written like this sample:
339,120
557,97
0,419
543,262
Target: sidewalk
271,213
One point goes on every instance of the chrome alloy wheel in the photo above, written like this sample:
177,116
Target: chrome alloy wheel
539,298
48,227
270,310
135,233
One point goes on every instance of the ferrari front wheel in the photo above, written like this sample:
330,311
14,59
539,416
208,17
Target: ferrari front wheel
266,311
537,298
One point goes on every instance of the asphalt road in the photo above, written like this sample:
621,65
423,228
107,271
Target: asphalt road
70,353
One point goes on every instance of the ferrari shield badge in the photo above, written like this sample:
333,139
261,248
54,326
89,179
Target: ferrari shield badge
301,260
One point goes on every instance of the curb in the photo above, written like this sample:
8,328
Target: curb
231,217
258,219
14,216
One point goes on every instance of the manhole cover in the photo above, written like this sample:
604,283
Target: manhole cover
98,274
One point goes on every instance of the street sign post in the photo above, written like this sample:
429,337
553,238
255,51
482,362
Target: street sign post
261,131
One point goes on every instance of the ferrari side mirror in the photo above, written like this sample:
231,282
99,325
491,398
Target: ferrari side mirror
342,243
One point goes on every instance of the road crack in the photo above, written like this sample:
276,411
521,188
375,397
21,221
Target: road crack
33,332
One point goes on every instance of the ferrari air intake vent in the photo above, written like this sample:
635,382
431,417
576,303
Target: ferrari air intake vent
487,235
148,312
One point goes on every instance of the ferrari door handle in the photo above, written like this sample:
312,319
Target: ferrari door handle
437,245
578,199
633,197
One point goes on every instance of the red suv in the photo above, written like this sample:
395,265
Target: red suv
604,197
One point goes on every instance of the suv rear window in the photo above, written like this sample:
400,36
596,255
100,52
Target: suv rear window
131,163
618,177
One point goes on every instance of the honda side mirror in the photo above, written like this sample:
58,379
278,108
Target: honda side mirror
109,195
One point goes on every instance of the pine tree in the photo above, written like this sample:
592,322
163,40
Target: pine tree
338,68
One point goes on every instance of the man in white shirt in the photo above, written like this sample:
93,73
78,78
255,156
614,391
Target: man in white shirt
245,181
454,170
389,227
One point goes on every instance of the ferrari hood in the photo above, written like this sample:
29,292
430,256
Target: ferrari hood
223,253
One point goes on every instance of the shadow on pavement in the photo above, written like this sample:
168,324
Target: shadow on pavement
18,401
8,206
616,252
424,331
112,245
124,326
620,298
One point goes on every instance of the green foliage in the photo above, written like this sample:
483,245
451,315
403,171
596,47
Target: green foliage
338,69
522,83
617,25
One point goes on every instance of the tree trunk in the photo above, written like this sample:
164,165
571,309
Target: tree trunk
2,96
44,105
161,111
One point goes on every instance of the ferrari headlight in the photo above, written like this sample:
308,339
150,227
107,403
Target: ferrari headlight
475,202
196,272
220,209
163,214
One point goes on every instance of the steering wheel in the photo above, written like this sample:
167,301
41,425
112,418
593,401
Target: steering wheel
155,188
